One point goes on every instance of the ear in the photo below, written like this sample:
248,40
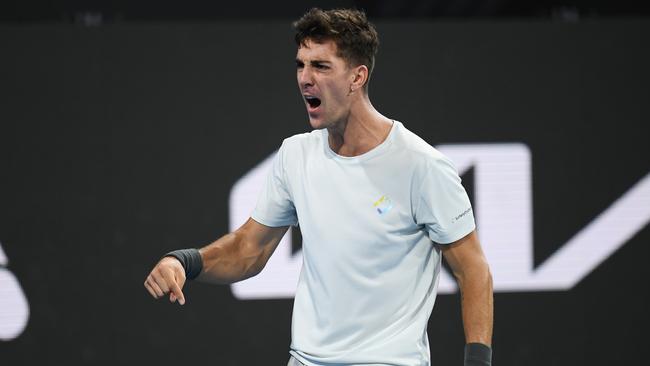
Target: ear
359,77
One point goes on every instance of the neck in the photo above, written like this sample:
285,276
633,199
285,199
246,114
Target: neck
363,129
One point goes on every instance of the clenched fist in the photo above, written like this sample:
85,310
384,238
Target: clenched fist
167,277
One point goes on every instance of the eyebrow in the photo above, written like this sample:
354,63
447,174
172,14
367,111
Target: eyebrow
313,62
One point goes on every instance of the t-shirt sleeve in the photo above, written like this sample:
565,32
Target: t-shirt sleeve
275,205
443,207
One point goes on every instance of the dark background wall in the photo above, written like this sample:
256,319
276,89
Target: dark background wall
122,142
93,12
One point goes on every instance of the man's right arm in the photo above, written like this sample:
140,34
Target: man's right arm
240,254
234,257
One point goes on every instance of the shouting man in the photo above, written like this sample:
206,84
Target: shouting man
377,207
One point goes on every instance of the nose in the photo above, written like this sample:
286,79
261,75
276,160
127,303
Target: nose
305,77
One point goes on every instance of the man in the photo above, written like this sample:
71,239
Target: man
376,205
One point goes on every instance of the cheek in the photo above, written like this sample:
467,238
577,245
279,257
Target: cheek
336,94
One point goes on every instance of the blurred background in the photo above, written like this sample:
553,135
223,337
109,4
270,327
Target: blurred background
129,129
113,11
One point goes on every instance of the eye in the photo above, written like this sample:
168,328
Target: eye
321,67
300,64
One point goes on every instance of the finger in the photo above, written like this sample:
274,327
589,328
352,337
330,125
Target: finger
172,297
156,289
176,291
174,288
160,281
180,280
159,292
151,291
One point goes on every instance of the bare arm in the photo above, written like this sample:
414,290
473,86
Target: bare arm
472,273
234,257
240,254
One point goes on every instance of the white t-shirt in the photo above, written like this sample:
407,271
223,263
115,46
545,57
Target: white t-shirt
370,271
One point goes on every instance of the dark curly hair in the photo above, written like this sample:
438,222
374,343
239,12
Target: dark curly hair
356,39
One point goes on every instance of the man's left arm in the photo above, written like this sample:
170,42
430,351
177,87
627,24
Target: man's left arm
470,268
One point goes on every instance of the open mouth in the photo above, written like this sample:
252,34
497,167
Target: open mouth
312,101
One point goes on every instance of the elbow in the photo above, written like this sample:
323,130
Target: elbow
489,278
484,275
254,266
252,258
478,275
482,272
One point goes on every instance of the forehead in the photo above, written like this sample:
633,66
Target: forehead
320,51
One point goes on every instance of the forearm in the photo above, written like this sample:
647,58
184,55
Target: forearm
230,259
477,304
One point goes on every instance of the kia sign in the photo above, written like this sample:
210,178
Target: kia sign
14,309
504,215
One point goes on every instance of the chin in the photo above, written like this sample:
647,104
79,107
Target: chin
317,123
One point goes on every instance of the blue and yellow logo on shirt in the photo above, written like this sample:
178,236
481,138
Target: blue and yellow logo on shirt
383,205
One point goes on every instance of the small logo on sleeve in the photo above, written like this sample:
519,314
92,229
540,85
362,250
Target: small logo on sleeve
454,219
383,205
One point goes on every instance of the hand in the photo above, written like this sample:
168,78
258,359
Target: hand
167,277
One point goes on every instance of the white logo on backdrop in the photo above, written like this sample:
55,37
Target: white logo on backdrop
14,309
503,209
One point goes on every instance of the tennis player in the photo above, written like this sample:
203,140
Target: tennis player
378,208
